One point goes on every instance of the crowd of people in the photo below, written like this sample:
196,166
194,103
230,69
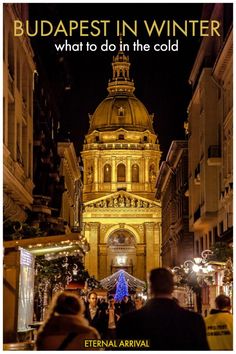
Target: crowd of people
161,320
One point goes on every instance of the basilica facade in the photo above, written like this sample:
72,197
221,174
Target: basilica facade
121,154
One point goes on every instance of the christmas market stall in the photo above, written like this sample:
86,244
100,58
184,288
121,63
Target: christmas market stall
34,269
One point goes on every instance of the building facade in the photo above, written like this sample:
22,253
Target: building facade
36,171
172,184
71,203
121,158
210,146
18,78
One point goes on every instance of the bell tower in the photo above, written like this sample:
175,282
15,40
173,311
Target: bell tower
120,74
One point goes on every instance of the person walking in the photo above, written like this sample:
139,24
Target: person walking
219,325
110,318
162,321
93,312
65,327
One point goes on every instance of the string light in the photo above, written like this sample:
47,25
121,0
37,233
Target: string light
54,250
110,282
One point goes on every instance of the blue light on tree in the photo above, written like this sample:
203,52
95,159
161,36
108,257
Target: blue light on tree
121,287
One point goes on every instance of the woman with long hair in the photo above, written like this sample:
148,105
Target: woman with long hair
65,328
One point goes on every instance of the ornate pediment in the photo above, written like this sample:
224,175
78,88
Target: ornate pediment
121,200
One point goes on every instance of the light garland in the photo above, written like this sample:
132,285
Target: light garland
111,281
60,249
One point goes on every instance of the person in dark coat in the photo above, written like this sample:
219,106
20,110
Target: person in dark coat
162,321
126,305
110,318
93,312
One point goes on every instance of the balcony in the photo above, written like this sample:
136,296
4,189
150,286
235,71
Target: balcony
214,155
120,146
203,218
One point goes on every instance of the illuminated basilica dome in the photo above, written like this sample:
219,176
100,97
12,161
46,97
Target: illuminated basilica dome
121,109
121,157
118,111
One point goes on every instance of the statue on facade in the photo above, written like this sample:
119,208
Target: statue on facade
116,203
121,201
133,203
110,203
127,202
104,203
139,203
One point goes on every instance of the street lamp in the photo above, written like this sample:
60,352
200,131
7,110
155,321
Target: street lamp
192,273
199,264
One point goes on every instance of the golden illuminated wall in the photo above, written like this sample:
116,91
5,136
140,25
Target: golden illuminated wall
119,185
120,213
131,163
18,72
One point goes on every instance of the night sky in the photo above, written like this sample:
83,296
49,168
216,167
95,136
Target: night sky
161,78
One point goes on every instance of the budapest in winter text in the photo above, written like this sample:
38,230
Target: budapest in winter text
95,28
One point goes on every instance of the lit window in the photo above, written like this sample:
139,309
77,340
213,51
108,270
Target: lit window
135,173
107,173
121,173
121,260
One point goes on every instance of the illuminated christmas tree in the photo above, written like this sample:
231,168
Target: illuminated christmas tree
121,287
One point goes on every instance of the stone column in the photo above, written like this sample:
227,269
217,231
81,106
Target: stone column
91,259
146,174
157,244
95,173
140,266
85,176
102,252
149,237
128,173
113,173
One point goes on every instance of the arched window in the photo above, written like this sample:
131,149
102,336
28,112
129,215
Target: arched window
135,173
121,173
107,173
